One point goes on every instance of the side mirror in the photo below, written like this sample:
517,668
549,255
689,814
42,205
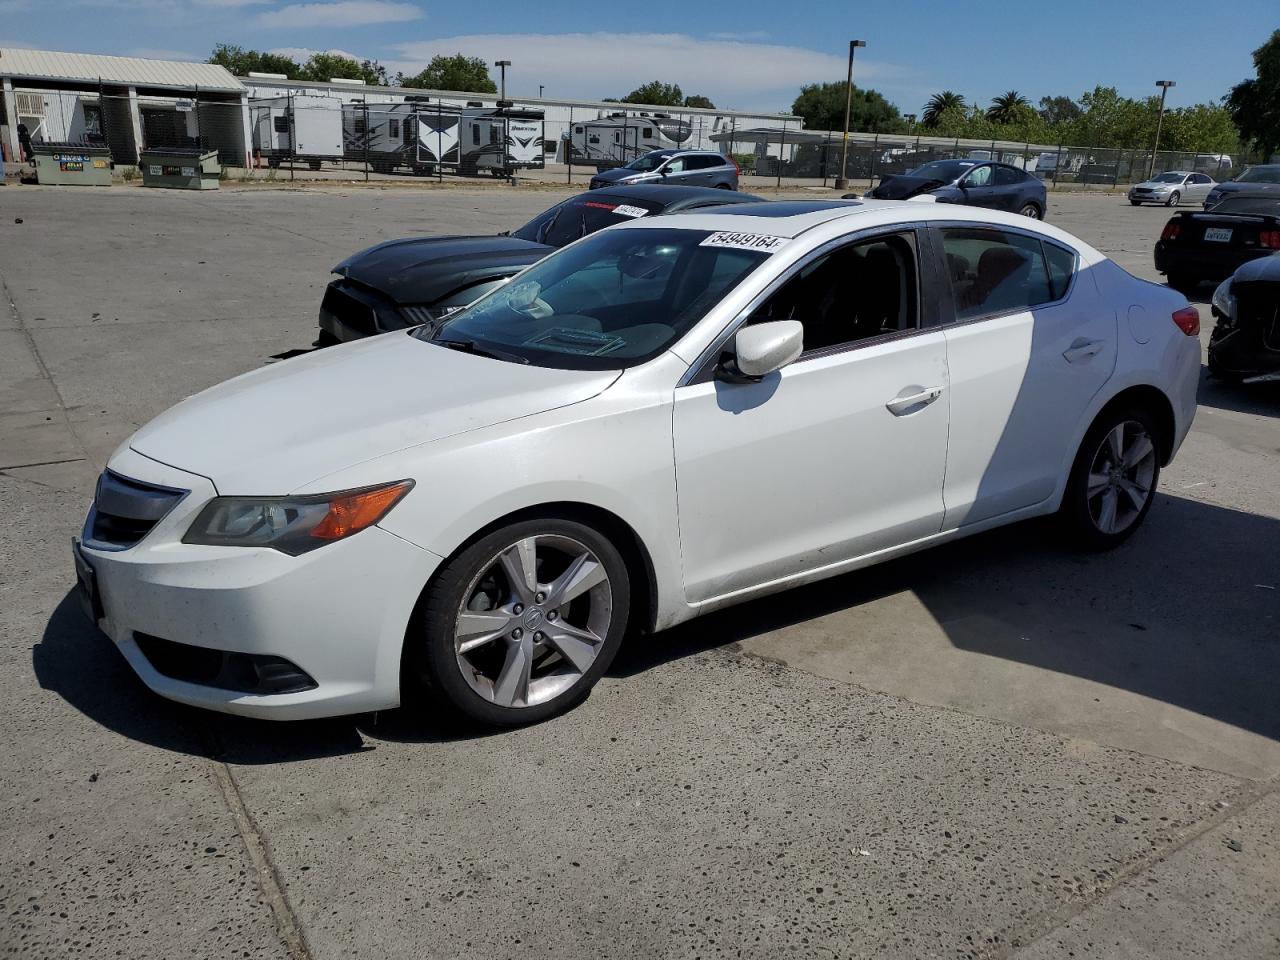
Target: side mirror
663,171
760,349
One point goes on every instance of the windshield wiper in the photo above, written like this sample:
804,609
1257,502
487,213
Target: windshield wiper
470,346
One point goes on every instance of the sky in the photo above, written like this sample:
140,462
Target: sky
748,55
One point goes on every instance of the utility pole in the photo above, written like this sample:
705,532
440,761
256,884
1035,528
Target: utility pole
1164,86
842,181
502,96
541,87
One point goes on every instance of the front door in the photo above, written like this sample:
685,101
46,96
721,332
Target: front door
1031,344
979,187
838,455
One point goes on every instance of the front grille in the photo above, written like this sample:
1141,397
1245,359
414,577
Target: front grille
242,672
124,511
353,313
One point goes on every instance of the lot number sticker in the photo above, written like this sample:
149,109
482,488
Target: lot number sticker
744,241
626,210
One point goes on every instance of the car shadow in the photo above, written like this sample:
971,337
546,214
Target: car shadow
1186,612
1258,399
79,663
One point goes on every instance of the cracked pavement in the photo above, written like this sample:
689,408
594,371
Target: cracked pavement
998,748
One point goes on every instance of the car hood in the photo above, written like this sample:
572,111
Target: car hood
902,187
424,269
1154,185
1263,269
622,175
274,430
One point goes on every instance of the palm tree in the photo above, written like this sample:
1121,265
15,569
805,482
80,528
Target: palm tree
939,104
1006,107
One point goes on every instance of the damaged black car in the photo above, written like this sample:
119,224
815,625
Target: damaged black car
1245,343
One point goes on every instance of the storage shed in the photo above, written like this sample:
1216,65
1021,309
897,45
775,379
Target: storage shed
125,103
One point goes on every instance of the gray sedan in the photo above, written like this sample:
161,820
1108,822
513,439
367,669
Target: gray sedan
1171,188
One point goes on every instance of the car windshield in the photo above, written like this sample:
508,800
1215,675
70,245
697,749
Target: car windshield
1266,174
615,300
944,170
1169,178
1265,206
648,162
579,216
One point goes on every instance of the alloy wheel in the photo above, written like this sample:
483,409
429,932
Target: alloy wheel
533,621
1121,477
1031,210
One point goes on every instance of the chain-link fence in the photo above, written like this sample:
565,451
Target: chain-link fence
382,136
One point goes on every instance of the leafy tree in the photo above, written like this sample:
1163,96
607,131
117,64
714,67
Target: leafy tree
458,72
697,100
326,66
947,101
656,93
1255,104
1203,128
1055,110
241,62
822,107
1008,107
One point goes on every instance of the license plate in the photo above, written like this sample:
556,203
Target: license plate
86,584
1218,234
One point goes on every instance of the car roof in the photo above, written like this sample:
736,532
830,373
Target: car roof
673,197
791,218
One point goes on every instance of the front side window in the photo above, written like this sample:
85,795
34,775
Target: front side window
860,291
978,177
676,165
994,271
646,163
617,299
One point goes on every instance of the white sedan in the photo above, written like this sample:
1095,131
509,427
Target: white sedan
660,420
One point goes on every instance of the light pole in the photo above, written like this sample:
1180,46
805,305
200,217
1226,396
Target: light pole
1164,86
502,96
842,181
911,122
541,87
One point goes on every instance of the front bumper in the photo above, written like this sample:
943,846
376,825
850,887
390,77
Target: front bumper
339,613
350,311
1148,197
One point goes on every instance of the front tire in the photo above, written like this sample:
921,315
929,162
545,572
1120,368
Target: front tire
1135,203
1173,199
522,623
1113,479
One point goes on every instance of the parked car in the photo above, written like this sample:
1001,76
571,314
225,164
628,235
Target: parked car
1211,245
997,186
1171,188
403,283
663,419
1245,343
1260,179
698,168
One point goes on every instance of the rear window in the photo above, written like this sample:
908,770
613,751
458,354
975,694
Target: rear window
579,216
1265,174
1264,206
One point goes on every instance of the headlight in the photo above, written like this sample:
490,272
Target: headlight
1224,301
293,525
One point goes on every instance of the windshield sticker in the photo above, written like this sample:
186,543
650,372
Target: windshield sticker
586,343
626,210
744,241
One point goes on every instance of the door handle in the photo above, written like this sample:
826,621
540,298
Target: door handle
1082,349
900,404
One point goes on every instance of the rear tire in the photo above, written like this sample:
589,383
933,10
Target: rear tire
723,186
1173,199
1032,210
1113,479
492,643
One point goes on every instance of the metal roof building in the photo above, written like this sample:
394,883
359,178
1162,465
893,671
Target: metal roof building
127,103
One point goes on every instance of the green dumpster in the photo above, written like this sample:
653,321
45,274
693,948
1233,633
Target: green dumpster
180,168
72,164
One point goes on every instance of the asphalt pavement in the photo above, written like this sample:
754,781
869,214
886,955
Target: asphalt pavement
999,748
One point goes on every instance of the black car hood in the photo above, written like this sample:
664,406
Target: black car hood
424,269
1261,270
902,187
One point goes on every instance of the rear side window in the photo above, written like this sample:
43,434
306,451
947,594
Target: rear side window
994,271
1062,265
1006,176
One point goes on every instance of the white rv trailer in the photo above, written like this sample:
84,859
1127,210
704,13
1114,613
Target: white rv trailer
299,128
618,138
423,134
498,141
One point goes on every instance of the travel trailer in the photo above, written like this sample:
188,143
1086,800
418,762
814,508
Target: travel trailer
297,128
618,138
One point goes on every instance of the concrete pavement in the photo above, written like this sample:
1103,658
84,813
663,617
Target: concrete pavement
996,748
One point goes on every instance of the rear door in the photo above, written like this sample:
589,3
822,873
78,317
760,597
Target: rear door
1029,343
1010,187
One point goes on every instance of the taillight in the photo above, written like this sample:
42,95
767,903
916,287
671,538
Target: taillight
1171,230
1270,239
1188,321
736,169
